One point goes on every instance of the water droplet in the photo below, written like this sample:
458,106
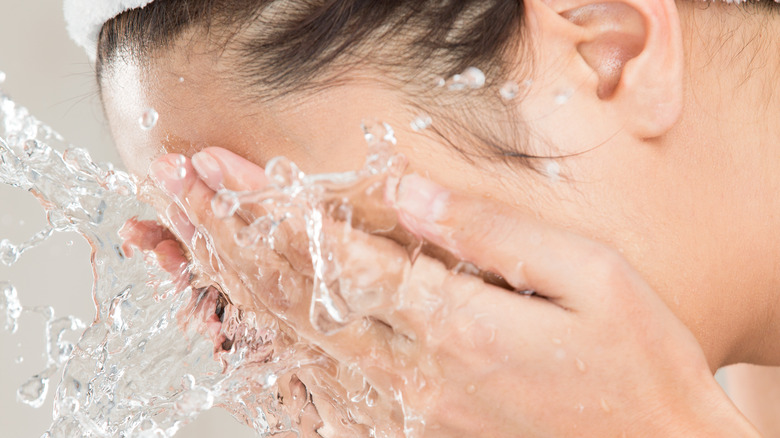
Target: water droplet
509,90
2,76
224,204
439,81
9,253
580,407
581,365
605,406
553,171
148,119
269,380
69,243
471,389
457,83
9,300
376,132
33,392
557,341
421,122
37,150
474,77
564,96
19,359
181,79
560,354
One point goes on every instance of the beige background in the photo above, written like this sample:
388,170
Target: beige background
47,73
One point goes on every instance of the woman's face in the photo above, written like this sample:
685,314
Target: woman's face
694,208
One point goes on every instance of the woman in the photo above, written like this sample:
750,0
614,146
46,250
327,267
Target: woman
629,184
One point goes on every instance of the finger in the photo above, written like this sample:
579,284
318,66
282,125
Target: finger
219,168
144,235
527,253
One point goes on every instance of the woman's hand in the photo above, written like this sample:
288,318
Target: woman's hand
593,352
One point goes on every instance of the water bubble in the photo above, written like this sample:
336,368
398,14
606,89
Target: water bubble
474,77
19,359
181,79
33,392
509,90
563,96
9,253
2,76
148,119
421,123
457,83
225,204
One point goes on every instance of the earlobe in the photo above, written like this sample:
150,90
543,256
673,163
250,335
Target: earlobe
635,49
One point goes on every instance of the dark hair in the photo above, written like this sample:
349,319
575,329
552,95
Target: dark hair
285,45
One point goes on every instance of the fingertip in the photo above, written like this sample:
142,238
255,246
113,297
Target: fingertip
171,173
208,168
423,199
422,205
180,222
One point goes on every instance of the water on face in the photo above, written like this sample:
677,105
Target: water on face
147,364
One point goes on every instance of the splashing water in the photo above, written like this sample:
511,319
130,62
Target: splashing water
147,366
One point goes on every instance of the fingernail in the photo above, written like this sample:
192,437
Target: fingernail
423,200
208,169
169,175
180,223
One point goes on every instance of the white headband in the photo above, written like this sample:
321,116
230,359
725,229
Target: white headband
85,18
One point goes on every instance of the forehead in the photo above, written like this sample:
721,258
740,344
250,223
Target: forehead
199,106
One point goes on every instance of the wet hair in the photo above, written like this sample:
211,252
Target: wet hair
284,46
280,47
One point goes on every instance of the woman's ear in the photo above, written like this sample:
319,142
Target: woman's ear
635,49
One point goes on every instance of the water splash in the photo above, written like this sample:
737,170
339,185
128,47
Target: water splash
148,363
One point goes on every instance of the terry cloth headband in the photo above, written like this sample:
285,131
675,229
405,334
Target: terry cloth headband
85,18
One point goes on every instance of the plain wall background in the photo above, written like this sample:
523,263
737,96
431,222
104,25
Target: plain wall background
50,75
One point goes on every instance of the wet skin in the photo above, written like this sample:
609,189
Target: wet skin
687,194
